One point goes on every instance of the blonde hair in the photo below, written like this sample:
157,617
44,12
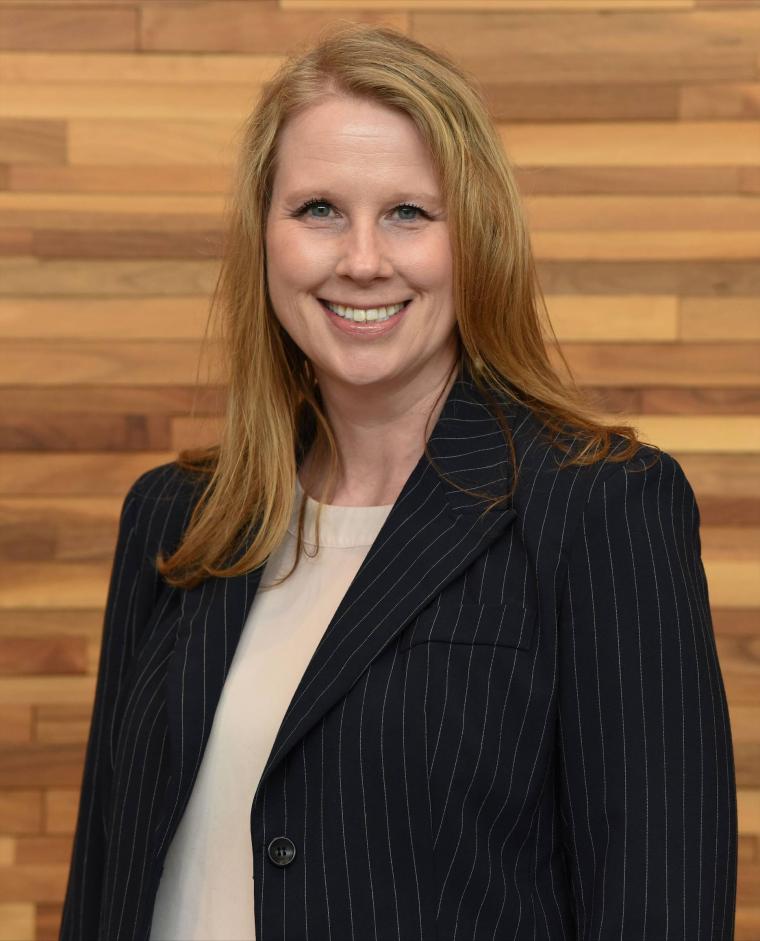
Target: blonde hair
250,476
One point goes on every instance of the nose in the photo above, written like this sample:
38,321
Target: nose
363,253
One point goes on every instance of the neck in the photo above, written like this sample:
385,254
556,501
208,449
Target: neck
380,437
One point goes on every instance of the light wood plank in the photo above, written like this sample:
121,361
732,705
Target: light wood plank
7,849
677,245
92,522
151,142
17,921
606,317
126,101
59,584
38,690
715,318
137,68
87,318
733,584
644,144
744,725
126,205
694,434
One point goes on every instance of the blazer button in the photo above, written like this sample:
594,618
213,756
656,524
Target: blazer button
281,851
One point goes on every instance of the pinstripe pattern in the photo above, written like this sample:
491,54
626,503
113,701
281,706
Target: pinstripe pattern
514,726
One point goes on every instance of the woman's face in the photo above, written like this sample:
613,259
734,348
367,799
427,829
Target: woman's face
360,245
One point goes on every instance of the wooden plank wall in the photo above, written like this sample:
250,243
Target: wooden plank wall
634,128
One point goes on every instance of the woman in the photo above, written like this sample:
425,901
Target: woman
490,705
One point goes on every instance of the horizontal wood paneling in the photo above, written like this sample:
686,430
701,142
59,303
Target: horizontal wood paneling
634,127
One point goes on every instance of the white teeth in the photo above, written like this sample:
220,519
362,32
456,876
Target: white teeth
359,316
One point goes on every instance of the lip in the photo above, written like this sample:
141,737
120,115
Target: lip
366,330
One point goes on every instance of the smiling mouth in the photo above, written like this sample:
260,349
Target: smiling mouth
370,318
325,300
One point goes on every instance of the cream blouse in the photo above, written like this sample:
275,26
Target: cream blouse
206,889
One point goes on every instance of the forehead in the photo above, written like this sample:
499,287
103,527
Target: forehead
343,142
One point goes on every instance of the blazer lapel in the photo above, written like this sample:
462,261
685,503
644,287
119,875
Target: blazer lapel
432,533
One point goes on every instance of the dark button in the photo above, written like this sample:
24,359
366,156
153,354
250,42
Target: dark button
281,851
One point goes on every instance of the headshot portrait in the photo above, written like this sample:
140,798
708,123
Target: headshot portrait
410,629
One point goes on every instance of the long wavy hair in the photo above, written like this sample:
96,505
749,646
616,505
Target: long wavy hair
248,480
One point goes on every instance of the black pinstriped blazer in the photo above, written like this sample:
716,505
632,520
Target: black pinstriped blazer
514,727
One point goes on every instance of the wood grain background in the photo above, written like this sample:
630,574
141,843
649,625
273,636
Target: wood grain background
634,126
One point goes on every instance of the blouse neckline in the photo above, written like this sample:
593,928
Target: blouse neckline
340,527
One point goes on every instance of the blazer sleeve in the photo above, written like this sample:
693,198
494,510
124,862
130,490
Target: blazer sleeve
646,782
131,595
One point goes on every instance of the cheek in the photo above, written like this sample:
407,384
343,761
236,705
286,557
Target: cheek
431,263
287,252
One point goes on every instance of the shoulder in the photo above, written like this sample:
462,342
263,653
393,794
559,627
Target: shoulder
650,473
638,502
165,481
544,459
644,486
159,502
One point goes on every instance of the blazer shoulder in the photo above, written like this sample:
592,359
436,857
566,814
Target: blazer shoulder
649,485
168,482
545,458
163,498
642,487
547,468
648,462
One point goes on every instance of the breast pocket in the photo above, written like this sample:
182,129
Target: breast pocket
511,624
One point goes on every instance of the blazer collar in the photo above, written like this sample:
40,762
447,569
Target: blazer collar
432,533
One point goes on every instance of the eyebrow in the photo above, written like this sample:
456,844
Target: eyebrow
326,193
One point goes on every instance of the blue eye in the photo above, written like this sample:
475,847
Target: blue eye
323,202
